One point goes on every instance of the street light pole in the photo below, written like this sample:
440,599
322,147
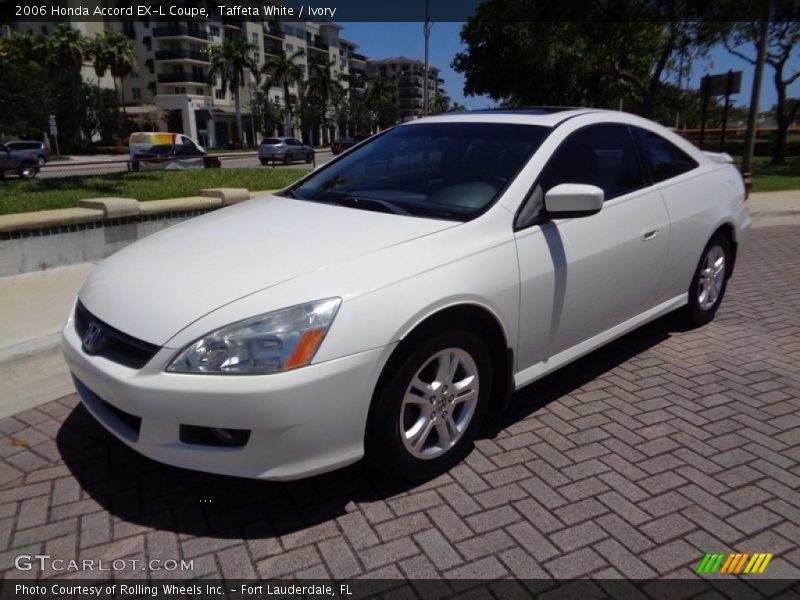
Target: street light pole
427,31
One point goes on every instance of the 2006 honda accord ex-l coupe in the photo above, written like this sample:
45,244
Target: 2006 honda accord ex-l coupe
383,303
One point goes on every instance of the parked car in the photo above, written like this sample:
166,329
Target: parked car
285,150
342,144
173,157
20,162
382,304
38,150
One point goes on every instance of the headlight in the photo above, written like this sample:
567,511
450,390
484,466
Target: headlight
269,343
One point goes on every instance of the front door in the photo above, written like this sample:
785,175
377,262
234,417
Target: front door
582,276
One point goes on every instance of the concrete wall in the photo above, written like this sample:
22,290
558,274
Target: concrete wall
38,252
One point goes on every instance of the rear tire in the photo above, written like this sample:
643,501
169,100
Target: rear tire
429,410
709,281
264,162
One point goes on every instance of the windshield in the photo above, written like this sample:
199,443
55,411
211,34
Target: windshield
437,170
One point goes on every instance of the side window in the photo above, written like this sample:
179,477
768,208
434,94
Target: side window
664,158
604,156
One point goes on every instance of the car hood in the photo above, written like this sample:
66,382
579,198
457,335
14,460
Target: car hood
159,285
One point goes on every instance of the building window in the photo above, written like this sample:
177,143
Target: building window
134,74
198,91
180,90
289,48
257,57
213,30
146,22
255,39
137,93
219,94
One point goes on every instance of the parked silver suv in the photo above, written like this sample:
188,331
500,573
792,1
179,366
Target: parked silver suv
284,149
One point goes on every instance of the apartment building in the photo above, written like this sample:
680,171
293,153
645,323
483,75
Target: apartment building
173,60
408,77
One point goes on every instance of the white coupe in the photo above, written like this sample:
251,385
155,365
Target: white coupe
383,303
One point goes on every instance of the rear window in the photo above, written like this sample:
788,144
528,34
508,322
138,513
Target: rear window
664,158
270,141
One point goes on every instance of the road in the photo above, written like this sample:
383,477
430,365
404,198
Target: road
106,165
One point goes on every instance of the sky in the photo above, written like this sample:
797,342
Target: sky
381,40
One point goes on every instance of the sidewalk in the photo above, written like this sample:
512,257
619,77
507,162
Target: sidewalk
35,305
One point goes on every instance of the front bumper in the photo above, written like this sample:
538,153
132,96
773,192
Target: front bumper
302,422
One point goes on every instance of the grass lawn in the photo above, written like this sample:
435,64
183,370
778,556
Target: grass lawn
773,178
42,194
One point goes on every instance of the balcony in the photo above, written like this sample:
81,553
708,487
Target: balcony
409,82
274,50
407,94
357,56
182,55
273,30
318,45
314,60
179,31
182,78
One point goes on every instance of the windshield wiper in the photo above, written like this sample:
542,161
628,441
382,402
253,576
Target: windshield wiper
362,202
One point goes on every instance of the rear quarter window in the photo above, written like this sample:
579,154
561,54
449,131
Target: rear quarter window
664,159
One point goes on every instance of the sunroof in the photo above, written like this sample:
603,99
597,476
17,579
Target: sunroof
532,110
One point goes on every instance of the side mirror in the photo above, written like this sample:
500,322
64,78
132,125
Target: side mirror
573,200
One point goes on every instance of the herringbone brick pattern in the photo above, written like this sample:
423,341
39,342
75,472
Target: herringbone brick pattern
633,462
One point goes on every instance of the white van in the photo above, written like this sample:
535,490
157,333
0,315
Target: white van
142,141
150,150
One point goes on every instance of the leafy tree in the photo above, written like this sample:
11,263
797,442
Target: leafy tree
783,35
24,93
537,52
230,61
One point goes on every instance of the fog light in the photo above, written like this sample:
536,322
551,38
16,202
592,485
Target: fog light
214,436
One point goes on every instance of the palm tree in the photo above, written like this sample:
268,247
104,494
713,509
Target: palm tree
66,48
380,101
322,87
97,50
285,71
121,59
230,61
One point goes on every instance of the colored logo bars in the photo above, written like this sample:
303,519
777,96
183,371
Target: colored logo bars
734,563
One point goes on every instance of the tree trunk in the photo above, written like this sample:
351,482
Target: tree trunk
238,107
122,94
779,145
655,80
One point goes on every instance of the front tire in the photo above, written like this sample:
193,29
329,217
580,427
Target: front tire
28,171
431,407
709,281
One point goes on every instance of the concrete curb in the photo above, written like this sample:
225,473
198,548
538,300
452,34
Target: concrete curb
92,210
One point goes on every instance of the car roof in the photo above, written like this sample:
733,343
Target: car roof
546,116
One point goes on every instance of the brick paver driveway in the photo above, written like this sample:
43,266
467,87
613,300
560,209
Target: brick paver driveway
635,461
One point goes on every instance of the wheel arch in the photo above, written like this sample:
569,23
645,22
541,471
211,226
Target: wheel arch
464,316
729,231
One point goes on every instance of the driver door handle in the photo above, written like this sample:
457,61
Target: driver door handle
649,233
